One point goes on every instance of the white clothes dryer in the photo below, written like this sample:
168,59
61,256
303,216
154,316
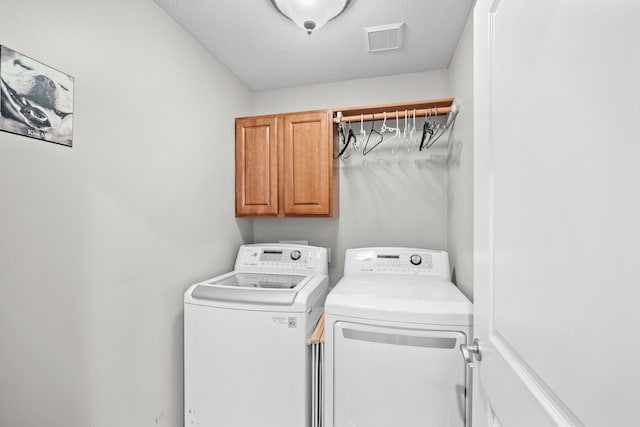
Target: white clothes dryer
246,359
393,327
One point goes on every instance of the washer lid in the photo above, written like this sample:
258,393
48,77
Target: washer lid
272,289
256,280
400,300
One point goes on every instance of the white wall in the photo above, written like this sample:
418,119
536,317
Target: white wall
385,199
460,178
98,242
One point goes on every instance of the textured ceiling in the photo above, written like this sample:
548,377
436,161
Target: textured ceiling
267,51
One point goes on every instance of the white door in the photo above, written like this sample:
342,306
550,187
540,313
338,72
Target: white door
557,212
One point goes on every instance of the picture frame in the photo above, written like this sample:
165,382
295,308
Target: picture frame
37,100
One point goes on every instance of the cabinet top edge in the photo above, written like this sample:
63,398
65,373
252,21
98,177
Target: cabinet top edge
327,111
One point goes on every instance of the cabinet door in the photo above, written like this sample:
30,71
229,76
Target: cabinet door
256,166
307,164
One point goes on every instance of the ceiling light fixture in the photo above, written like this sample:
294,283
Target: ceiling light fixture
310,15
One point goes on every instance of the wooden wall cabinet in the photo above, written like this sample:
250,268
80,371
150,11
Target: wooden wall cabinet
285,165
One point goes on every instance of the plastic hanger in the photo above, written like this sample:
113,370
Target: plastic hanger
374,144
413,131
427,130
395,138
357,145
346,142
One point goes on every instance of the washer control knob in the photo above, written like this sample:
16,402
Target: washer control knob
295,255
415,259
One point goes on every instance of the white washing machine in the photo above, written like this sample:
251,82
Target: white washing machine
393,327
246,359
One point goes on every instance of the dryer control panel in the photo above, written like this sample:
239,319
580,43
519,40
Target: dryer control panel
398,261
278,257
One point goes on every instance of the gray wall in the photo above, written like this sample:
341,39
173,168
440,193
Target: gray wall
460,178
385,199
98,242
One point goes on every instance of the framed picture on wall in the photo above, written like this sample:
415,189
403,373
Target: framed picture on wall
37,100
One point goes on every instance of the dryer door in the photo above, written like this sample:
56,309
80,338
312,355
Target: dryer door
386,376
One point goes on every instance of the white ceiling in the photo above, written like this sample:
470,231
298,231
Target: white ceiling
267,51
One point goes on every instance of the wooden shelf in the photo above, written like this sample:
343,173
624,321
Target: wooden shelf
434,107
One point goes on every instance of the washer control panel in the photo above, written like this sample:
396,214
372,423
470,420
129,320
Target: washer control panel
282,257
398,261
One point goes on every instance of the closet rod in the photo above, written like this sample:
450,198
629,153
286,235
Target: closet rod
440,111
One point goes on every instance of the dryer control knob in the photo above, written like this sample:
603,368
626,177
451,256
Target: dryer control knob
295,255
415,259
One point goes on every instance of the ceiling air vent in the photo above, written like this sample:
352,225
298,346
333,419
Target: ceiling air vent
384,37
